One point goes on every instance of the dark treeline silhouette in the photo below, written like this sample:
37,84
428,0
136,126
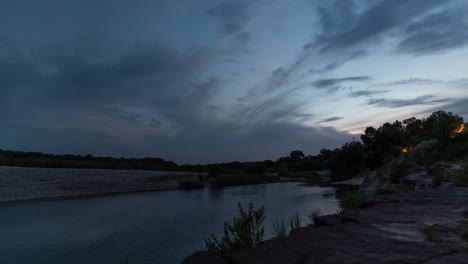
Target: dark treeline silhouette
40,160
441,136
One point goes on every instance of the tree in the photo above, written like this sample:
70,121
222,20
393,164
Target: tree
440,125
296,155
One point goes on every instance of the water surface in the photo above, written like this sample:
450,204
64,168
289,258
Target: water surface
155,227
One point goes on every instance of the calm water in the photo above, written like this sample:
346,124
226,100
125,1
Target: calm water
156,227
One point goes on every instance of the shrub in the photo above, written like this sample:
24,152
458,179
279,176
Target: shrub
427,152
314,216
437,178
283,170
294,223
350,200
279,228
461,178
245,232
398,169
428,234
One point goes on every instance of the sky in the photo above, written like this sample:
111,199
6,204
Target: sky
201,81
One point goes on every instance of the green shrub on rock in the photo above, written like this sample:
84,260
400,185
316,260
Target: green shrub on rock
461,178
245,232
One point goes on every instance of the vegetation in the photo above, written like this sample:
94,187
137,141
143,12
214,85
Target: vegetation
357,199
294,223
245,232
40,160
351,200
461,179
314,216
279,228
442,136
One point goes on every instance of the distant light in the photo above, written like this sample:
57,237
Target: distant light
405,150
460,128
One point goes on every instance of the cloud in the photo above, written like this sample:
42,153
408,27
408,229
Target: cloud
366,93
394,103
410,81
147,101
345,26
325,83
436,32
331,119
235,16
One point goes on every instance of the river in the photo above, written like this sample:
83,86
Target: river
155,227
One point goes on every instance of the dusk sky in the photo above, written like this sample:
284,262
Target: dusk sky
198,81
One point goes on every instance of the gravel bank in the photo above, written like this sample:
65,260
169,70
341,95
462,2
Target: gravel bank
18,184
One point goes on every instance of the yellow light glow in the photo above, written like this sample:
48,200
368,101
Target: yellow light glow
460,128
405,150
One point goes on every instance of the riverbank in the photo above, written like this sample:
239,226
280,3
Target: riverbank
428,226
20,184
23,184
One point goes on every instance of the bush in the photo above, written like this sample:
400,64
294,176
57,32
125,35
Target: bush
437,178
246,232
294,223
279,228
283,170
350,200
461,178
398,169
427,152
314,216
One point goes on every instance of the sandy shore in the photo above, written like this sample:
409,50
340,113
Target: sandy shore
20,184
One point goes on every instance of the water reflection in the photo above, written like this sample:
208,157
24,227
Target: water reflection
158,227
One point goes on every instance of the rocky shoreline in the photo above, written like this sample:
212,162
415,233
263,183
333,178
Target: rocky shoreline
428,225
417,227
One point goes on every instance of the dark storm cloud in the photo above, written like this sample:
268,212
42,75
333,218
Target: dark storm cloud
410,81
365,93
325,83
331,119
344,26
235,15
441,31
394,103
74,103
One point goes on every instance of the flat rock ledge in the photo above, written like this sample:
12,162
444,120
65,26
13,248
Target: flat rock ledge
418,227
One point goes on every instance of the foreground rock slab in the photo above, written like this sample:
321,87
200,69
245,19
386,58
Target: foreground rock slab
417,227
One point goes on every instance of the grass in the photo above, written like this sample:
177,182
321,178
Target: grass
314,216
428,234
442,164
279,228
464,234
351,200
356,199
437,178
294,223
